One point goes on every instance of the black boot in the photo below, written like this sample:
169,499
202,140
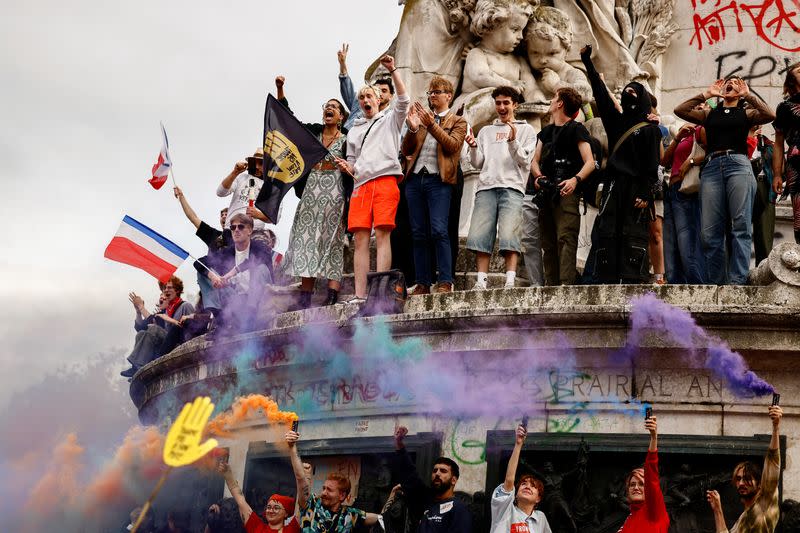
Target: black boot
304,302
333,297
797,236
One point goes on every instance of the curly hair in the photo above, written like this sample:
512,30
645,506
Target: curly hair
550,23
489,14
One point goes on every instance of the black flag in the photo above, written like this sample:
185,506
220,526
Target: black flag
290,152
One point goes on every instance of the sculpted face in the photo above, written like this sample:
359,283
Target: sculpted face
505,37
545,53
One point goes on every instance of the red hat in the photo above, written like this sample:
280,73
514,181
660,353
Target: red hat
286,501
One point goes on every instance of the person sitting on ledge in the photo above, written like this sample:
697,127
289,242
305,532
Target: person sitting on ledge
247,269
326,512
648,511
154,328
435,508
758,490
276,512
514,502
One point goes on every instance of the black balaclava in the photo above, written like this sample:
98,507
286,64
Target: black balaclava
635,107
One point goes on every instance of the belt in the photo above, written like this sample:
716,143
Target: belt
718,153
425,172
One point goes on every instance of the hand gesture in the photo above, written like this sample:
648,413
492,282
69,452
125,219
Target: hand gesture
412,118
638,203
223,467
425,115
651,425
279,80
177,192
653,118
713,500
715,89
777,185
240,167
586,51
512,135
685,131
388,62
182,446
217,281
399,435
775,413
741,88
343,165
136,300
522,433
254,212
470,140
568,186
291,438
396,490
341,55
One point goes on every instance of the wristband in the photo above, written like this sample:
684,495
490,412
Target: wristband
395,68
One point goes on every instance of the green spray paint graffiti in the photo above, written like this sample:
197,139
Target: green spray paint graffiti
471,451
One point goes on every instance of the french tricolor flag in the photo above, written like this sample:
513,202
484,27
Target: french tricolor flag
162,166
137,245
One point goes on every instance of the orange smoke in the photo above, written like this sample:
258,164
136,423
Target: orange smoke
245,407
59,486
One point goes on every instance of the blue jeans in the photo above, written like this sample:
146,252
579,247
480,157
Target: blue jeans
497,213
727,188
683,254
428,212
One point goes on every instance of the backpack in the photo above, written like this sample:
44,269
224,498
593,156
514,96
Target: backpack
386,293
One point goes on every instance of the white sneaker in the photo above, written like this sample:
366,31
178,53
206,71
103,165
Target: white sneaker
479,286
509,285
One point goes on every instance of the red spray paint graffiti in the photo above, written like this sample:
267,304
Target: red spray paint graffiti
776,22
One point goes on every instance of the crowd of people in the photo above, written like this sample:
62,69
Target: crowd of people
414,506
394,172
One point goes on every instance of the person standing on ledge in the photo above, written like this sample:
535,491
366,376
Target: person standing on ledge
758,490
648,512
372,148
727,184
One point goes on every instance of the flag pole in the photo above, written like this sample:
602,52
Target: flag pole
204,265
172,175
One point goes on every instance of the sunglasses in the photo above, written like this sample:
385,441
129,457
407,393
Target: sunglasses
435,92
240,227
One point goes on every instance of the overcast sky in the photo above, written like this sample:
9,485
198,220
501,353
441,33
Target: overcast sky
84,85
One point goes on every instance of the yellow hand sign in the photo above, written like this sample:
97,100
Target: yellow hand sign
182,446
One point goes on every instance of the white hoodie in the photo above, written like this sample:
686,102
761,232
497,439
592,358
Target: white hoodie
503,164
379,155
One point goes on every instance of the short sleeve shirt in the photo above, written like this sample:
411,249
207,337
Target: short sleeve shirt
314,518
561,143
508,518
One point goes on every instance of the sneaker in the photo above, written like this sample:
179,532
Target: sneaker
128,373
509,285
444,287
659,281
479,286
419,289
356,300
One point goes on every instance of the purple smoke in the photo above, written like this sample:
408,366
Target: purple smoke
653,316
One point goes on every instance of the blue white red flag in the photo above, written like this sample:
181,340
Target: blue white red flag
137,245
164,163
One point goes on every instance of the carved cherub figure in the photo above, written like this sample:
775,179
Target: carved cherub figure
499,24
548,37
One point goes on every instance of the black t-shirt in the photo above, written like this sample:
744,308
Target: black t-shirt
560,153
447,516
214,238
727,129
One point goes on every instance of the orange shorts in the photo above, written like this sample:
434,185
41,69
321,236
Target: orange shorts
374,204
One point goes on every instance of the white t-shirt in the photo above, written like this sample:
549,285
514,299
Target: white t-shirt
242,279
240,189
508,518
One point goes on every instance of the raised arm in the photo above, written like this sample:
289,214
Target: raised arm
187,209
770,474
303,489
233,486
513,462
346,88
759,112
689,110
402,101
605,104
224,188
653,498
